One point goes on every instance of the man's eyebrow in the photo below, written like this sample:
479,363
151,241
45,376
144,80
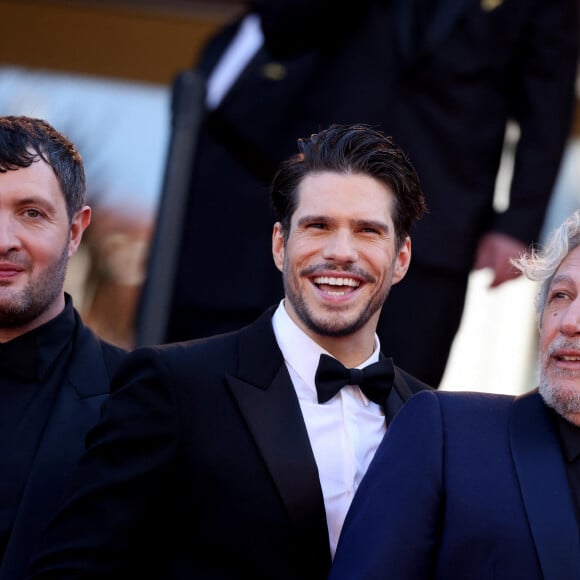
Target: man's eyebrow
375,224
313,218
561,279
34,200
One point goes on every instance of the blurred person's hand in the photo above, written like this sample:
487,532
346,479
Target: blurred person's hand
495,251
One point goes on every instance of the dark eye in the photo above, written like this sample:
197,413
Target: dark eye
558,295
33,213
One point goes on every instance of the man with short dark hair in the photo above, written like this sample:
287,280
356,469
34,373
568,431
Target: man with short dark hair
54,373
237,456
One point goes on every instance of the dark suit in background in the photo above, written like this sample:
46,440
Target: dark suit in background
443,78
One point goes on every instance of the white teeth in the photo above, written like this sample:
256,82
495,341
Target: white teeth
570,358
332,281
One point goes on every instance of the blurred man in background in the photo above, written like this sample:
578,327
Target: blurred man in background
444,78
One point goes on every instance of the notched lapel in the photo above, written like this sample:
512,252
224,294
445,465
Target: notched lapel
87,371
545,489
58,453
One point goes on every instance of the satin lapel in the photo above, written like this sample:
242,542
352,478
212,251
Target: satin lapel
75,409
545,489
275,421
400,393
267,400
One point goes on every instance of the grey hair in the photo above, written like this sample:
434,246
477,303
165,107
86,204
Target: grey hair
541,265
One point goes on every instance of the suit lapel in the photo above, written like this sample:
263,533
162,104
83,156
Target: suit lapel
74,410
545,489
265,396
400,393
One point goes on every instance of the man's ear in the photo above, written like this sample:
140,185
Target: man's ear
278,246
79,224
402,261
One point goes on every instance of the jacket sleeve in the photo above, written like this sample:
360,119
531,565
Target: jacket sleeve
542,102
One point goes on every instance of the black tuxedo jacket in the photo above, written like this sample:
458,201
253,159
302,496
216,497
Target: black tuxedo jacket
74,412
200,468
444,89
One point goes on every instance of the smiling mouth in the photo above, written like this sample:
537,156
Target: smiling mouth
568,358
336,286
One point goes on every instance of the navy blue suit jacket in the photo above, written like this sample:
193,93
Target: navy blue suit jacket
464,486
74,412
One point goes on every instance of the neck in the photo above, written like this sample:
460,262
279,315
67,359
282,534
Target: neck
350,350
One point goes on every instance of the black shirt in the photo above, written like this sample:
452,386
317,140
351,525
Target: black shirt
31,370
569,435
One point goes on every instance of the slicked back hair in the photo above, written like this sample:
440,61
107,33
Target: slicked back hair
25,140
351,149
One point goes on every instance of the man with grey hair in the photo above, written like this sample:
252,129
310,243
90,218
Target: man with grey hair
558,310
474,485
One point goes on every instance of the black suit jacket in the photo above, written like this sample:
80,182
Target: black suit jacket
200,468
444,92
74,412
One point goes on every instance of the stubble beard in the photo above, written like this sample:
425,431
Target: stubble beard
333,324
36,297
565,401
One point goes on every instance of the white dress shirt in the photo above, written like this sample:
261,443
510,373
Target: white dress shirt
344,432
241,50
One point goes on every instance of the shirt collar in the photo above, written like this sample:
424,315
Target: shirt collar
300,351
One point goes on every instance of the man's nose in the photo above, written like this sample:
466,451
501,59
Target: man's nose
9,239
341,247
570,321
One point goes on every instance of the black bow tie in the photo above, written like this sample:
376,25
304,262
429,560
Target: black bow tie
375,380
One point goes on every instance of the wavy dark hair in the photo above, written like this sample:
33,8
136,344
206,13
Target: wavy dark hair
357,149
24,140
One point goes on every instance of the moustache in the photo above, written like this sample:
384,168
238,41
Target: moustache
564,344
348,269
